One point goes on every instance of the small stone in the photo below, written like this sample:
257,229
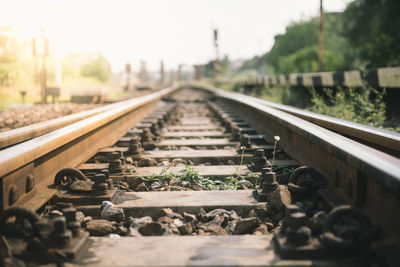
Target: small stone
213,229
245,183
186,229
110,212
147,162
270,226
167,212
81,186
123,186
142,187
137,222
135,182
129,160
202,216
165,220
245,226
178,216
170,229
189,217
133,232
99,227
178,222
186,184
80,216
203,233
253,214
211,215
155,185
279,198
261,211
261,230
230,228
151,229
221,220
233,216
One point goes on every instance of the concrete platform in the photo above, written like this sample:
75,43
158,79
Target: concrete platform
245,250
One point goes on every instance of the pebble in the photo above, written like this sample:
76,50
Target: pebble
151,229
279,198
245,226
110,212
155,185
99,227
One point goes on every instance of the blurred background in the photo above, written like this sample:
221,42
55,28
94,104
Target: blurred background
66,48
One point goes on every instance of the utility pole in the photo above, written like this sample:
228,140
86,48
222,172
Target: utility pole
162,73
128,68
41,49
216,65
321,37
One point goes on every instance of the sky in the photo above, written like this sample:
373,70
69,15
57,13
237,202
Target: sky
175,31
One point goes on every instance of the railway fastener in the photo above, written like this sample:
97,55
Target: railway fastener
73,224
100,186
259,160
298,234
108,179
267,185
147,139
135,147
60,234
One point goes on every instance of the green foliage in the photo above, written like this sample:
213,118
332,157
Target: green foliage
364,106
296,51
98,68
372,27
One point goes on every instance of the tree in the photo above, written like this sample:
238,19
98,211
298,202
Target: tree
98,68
372,27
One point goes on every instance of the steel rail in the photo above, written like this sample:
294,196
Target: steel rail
380,139
361,175
35,162
25,133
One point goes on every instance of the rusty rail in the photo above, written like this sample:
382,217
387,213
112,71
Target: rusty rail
361,175
27,169
25,133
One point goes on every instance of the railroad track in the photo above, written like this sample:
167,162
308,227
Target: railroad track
197,176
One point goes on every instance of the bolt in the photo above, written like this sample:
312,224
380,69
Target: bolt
73,224
245,141
60,233
298,233
147,136
259,159
134,146
268,180
108,179
154,128
115,166
100,185
113,156
12,195
236,134
289,210
30,183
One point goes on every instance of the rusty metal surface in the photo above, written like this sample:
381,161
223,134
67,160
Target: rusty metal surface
66,147
352,169
383,140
